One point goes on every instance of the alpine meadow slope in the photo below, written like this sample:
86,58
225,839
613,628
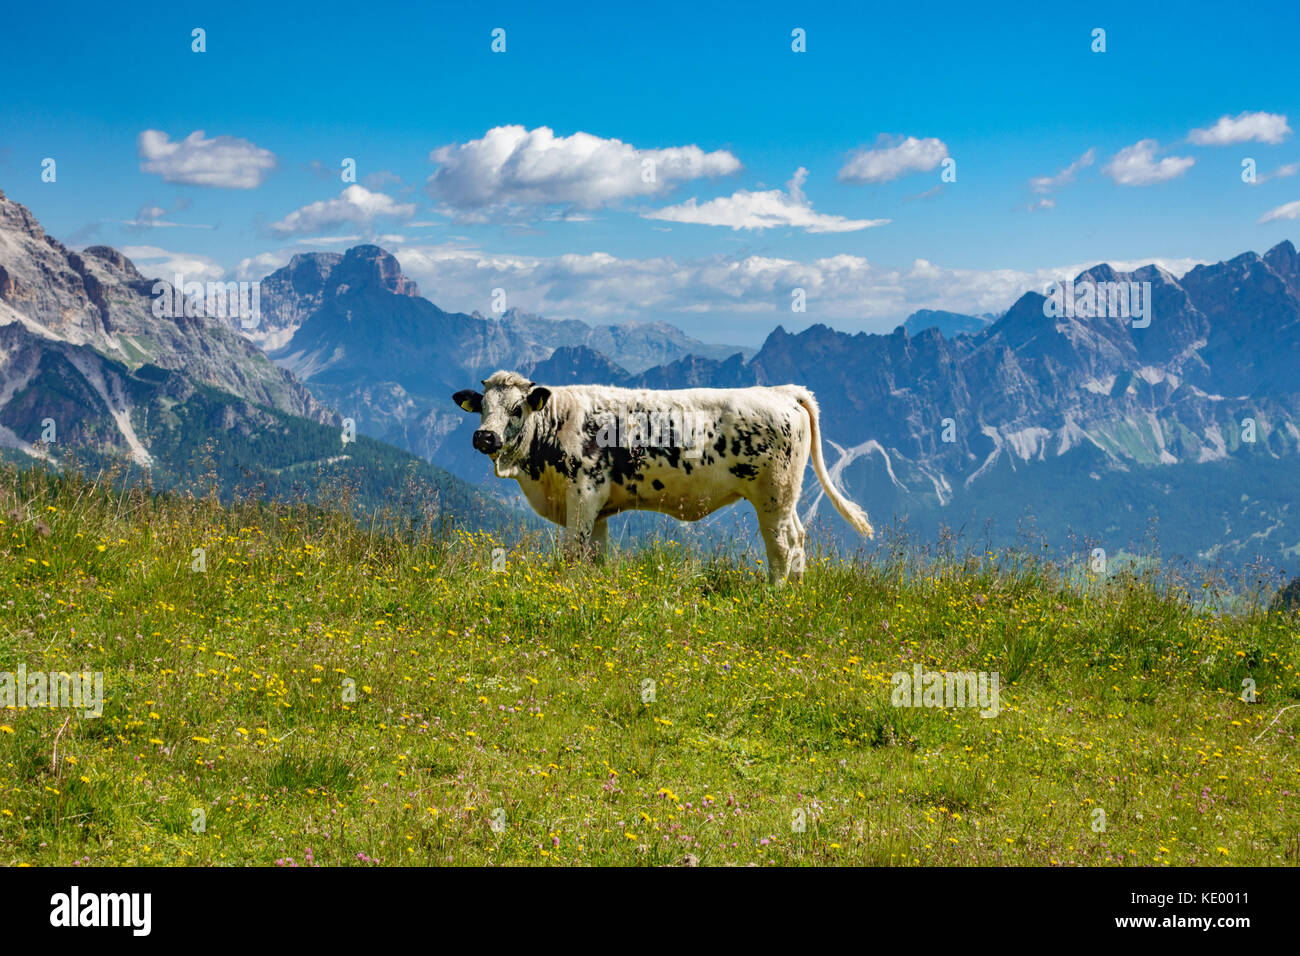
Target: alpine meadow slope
326,693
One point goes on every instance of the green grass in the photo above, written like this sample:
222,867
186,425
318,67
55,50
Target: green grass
324,686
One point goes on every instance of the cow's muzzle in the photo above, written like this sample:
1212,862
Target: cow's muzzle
488,442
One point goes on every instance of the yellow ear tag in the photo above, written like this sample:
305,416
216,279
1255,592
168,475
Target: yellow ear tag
467,406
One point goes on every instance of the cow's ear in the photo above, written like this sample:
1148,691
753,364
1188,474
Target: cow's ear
469,400
538,398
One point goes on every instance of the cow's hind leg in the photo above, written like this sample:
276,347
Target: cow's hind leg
799,560
783,537
600,538
775,496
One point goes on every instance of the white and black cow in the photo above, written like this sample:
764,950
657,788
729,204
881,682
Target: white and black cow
584,452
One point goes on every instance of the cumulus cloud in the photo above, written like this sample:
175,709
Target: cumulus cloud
766,209
1047,184
846,290
892,158
1245,127
356,204
223,161
156,263
1289,211
262,265
513,167
1137,165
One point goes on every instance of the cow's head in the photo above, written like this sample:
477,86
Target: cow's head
504,405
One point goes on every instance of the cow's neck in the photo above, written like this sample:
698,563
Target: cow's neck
539,448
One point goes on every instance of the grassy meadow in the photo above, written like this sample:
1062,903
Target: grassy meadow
333,692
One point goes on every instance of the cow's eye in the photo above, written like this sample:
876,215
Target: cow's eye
516,411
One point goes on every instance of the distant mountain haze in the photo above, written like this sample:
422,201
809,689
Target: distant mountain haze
949,324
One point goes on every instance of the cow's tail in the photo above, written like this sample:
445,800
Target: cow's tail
847,509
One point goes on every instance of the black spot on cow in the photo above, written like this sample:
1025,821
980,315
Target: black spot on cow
671,454
720,446
545,452
744,470
624,465
658,485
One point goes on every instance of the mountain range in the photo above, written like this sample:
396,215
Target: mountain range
1179,436
89,370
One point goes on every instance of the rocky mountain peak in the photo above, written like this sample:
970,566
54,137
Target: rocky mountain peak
307,271
368,266
1284,260
576,364
115,259
47,284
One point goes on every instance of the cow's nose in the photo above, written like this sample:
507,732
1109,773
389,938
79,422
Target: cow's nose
487,441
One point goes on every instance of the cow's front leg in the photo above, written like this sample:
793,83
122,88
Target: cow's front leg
581,509
600,538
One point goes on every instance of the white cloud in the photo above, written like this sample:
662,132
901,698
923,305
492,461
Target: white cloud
1282,172
222,161
150,216
1136,165
1045,184
512,167
356,204
891,158
846,290
156,263
1289,211
1245,127
160,224
262,265
767,209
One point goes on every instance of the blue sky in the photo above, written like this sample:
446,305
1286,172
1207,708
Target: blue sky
719,103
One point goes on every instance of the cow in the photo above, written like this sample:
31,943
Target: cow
582,453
